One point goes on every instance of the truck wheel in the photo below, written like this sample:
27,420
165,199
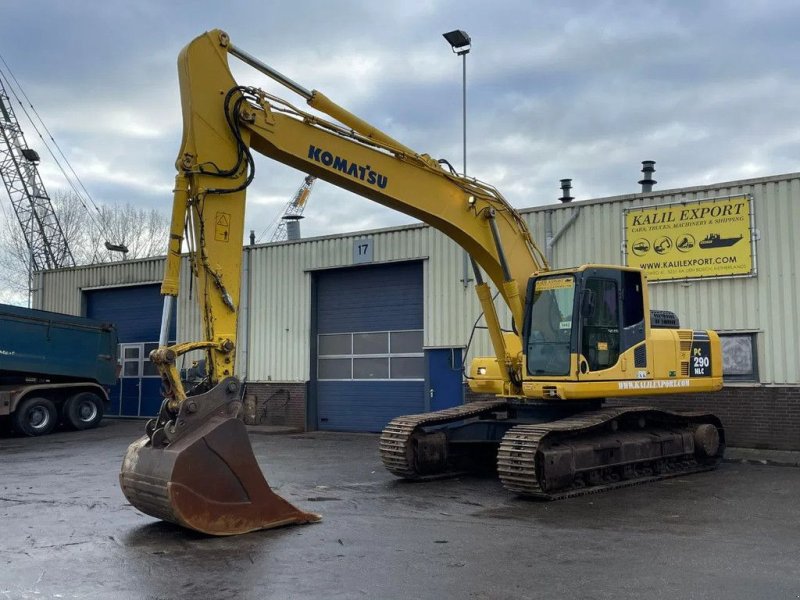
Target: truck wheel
35,416
83,411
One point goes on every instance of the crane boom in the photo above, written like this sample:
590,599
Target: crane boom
293,211
41,228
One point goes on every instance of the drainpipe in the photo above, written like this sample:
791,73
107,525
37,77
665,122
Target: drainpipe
465,266
243,346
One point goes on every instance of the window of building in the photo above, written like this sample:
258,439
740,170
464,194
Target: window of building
135,358
374,355
739,356
131,360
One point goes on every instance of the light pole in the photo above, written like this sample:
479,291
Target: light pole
460,43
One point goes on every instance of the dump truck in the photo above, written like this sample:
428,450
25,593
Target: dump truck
54,368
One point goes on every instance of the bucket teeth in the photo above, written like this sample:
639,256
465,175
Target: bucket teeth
207,480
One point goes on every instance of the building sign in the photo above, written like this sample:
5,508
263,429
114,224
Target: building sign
362,251
691,240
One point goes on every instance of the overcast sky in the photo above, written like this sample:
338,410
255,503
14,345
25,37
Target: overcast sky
587,90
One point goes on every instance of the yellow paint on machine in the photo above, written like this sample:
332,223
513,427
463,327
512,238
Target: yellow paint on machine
705,238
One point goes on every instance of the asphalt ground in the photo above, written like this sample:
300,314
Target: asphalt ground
68,532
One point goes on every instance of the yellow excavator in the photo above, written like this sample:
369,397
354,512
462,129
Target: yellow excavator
580,335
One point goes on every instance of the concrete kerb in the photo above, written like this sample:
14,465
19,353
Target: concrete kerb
272,429
755,456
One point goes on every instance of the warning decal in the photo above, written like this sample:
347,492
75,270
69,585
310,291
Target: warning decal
222,227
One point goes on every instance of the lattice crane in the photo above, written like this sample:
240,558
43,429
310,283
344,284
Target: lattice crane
289,227
40,226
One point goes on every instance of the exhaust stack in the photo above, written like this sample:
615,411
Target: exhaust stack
647,182
566,188
292,227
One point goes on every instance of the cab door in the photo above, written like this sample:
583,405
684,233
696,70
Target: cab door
611,322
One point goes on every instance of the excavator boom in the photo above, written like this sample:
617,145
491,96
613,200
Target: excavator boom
195,466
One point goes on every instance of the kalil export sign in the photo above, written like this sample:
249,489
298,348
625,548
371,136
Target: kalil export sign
691,240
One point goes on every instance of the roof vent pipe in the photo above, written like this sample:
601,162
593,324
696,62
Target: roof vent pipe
566,188
647,182
292,227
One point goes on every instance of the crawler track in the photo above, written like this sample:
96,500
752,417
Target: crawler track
531,458
397,439
590,452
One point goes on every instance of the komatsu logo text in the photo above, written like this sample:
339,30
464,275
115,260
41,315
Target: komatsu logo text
364,173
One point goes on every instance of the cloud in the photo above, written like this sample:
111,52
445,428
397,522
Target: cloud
554,90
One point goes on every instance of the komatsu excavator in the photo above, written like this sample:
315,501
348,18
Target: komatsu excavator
580,335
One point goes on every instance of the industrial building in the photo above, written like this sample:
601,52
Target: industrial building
345,332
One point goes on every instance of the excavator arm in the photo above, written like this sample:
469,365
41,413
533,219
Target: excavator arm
224,122
195,466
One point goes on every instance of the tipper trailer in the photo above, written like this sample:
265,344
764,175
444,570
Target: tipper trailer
54,368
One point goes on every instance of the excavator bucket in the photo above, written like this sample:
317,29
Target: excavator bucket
205,477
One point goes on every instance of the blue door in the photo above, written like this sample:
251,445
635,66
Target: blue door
128,392
368,364
129,397
444,382
138,392
136,312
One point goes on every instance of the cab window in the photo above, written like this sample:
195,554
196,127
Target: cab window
548,344
600,340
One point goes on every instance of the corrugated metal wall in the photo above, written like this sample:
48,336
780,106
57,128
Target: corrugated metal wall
280,285
281,289
60,290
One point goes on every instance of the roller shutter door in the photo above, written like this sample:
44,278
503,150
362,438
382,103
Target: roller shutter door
369,362
136,312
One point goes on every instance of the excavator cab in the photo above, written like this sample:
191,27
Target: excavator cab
584,321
